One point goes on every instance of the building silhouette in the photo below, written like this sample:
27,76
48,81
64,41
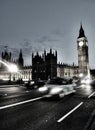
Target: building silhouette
6,57
20,60
45,66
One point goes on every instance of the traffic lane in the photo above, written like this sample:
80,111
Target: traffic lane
90,125
21,93
50,116
23,116
79,120
15,94
84,90
82,118
15,98
36,115
11,90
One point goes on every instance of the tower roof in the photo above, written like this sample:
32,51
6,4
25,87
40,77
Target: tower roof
81,32
20,54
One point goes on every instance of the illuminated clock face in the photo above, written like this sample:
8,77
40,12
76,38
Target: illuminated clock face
80,43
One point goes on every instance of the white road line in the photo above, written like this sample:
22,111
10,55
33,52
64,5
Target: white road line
19,103
91,95
62,118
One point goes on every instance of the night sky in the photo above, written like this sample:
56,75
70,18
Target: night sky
35,25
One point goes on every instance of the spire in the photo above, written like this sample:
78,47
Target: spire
20,59
37,53
6,48
32,55
45,52
20,55
56,52
50,51
81,31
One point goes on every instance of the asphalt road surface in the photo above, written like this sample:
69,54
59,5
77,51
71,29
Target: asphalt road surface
22,109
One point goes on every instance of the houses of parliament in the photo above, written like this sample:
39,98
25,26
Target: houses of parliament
45,66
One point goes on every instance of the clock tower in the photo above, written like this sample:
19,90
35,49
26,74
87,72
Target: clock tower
82,47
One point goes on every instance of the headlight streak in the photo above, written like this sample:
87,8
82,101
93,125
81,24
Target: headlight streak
55,90
42,89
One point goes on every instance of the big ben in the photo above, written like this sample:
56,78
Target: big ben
83,57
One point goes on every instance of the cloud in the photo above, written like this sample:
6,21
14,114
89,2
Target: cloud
15,52
54,40
39,44
58,33
28,47
45,39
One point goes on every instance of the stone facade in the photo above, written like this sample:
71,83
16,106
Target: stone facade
83,56
65,70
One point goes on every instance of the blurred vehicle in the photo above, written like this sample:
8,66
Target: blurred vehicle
34,84
28,84
75,79
59,87
84,80
92,82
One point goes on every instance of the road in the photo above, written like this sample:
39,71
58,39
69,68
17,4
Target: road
22,109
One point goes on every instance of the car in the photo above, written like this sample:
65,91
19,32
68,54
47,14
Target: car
59,87
92,83
29,84
84,81
34,84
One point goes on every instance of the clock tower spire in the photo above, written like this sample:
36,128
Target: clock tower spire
81,31
83,56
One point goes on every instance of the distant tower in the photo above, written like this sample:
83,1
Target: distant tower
6,56
51,64
20,59
82,47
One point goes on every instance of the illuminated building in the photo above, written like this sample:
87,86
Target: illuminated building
83,56
45,66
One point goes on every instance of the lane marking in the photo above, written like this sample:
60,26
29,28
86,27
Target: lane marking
62,118
20,103
91,95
